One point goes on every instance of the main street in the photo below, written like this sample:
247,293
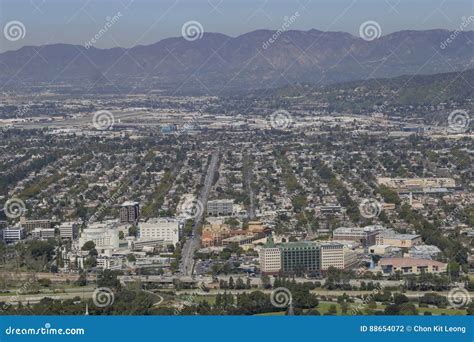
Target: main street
193,243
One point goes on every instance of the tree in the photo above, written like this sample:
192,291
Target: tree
90,262
470,308
231,283
89,245
344,307
108,278
408,309
332,310
133,231
266,283
46,282
82,280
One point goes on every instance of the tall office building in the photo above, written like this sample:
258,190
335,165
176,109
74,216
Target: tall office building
69,230
129,212
300,257
270,258
332,255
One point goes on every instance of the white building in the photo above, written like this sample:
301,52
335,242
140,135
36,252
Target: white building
424,252
220,207
69,230
107,263
166,229
103,236
43,233
13,234
270,260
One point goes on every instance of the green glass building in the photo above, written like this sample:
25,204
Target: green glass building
300,257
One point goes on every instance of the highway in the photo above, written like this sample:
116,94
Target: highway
193,243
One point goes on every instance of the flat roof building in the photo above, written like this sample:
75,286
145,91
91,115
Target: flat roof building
332,255
392,238
365,235
13,234
102,235
129,212
411,266
43,233
69,230
220,207
300,257
166,229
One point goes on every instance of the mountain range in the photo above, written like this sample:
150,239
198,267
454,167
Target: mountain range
219,62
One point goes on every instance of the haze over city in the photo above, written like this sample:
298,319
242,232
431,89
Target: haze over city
237,158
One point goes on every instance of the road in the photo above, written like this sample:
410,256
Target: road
248,185
192,244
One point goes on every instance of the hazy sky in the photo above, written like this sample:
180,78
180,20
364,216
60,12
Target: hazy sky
147,21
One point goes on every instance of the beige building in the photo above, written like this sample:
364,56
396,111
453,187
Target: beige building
332,255
411,266
270,260
394,239
213,234
166,229
416,184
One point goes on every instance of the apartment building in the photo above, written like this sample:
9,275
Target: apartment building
129,212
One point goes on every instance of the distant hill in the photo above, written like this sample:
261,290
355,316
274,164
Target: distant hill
219,62
402,90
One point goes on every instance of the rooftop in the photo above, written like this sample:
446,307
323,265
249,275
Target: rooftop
409,262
